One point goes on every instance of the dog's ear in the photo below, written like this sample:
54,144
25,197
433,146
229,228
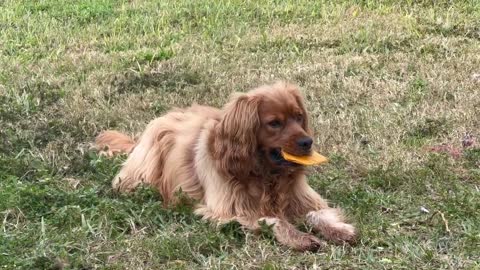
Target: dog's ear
301,103
235,143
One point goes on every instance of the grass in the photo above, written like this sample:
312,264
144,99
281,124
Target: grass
384,81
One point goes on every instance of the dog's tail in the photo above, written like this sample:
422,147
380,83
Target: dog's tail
112,142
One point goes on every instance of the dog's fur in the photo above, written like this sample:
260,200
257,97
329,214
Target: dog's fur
228,160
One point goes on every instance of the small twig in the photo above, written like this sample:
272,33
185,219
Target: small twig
407,222
445,221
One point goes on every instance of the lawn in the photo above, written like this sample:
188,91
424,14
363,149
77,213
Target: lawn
393,92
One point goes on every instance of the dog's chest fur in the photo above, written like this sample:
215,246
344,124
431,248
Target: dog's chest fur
271,192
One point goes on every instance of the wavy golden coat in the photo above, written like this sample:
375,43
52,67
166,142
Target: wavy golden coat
229,161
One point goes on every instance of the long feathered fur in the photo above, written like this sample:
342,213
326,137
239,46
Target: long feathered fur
211,155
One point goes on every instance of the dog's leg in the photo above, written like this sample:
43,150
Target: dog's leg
331,224
285,233
288,235
135,169
145,163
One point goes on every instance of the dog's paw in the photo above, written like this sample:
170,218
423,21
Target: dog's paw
341,232
308,242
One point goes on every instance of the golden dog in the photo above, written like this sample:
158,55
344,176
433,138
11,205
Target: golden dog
230,161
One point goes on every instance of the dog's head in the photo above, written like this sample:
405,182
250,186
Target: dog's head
259,125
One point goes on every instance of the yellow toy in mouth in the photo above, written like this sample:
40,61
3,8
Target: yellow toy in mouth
313,159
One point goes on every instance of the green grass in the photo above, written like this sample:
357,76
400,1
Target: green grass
384,82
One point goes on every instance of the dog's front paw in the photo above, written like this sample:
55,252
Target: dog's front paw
341,232
308,242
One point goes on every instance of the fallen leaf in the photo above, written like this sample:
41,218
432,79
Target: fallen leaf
455,152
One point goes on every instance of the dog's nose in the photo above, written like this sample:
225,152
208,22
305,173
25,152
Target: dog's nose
305,143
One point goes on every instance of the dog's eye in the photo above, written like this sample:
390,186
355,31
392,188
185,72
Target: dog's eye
275,124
